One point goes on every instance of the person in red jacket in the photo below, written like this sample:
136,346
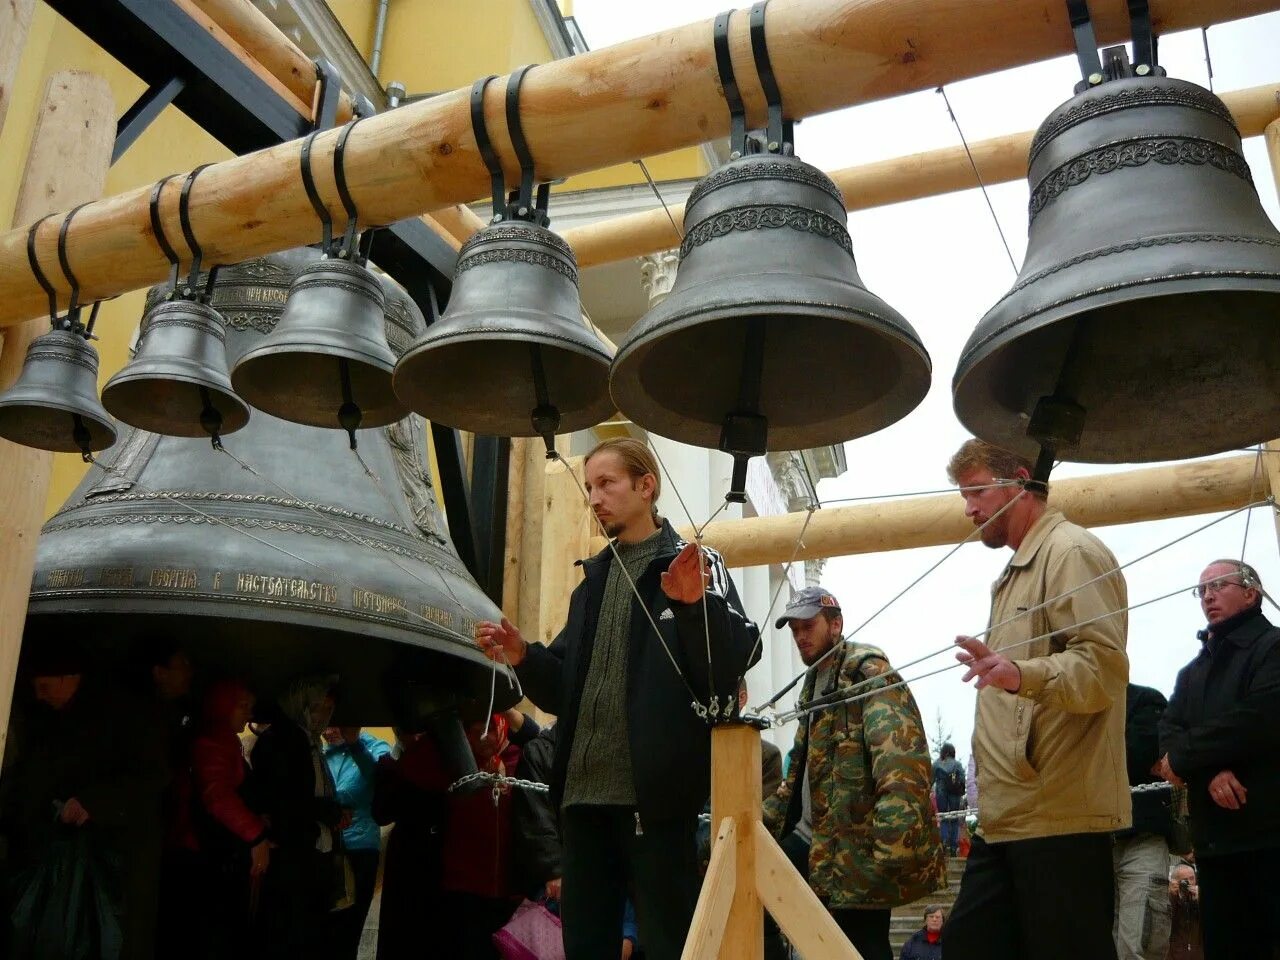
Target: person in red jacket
228,836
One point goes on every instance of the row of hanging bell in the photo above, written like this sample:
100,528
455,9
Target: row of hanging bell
768,285
1145,322
512,355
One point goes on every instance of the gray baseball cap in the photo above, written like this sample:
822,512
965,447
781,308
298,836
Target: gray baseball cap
806,603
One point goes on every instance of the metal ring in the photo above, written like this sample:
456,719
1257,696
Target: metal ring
309,185
184,218
480,130
73,305
38,272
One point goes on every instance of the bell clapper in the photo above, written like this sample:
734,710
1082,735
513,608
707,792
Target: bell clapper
349,413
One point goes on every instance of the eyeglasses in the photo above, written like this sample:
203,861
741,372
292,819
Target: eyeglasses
1215,586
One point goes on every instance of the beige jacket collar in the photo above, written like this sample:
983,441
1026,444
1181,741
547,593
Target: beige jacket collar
1036,536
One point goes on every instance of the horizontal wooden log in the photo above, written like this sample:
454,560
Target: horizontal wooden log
1153,493
929,174
638,98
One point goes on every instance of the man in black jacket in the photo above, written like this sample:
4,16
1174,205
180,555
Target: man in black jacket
1141,853
624,676
1221,735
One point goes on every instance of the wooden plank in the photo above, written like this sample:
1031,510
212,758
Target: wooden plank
795,907
1271,458
514,536
929,174
1153,493
650,95
566,537
735,793
719,886
67,164
15,23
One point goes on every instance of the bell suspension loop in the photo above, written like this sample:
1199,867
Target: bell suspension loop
350,248
780,132
729,87
80,433
38,272
210,417
1114,63
526,205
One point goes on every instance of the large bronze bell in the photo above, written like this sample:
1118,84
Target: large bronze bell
514,321
298,562
1145,322
327,360
177,382
767,270
54,403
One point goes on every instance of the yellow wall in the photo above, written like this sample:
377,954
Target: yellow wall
172,144
358,18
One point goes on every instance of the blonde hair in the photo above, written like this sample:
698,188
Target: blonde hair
637,459
977,454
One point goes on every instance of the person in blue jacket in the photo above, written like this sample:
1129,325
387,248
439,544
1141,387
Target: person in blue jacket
352,757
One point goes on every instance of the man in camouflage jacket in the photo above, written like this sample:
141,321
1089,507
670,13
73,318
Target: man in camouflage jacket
854,813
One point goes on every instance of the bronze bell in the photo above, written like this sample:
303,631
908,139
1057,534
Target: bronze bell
303,563
54,403
327,363
513,324
768,287
1145,322
177,383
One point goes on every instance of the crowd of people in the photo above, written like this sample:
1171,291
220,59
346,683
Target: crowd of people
195,839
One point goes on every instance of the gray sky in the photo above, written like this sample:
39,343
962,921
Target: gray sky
941,264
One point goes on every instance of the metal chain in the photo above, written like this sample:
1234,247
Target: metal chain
498,781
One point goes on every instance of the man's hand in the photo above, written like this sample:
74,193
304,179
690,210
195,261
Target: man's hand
991,669
73,813
1227,792
498,638
686,578
552,889
1165,772
628,948
259,858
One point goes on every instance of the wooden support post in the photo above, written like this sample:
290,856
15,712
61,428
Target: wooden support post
749,871
930,174
514,538
645,96
15,22
1271,458
566,538
67,164
1152,493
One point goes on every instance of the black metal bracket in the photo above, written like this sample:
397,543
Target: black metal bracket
324,109
778,135
143,113
162,240
38,272
738,145
72,319
350,248
521,203
1114,64
191,291
780,132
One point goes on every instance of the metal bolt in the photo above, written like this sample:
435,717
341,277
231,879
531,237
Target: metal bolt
1095,79
736,155
773,146
395,93
1142,70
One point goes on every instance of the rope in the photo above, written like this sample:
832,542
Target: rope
657,193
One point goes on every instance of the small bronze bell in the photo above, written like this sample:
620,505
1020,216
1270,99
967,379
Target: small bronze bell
514,319
512,355
1145,322
766,297
54,403
327,363
177,382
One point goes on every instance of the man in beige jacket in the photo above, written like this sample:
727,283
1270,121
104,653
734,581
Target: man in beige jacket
1048,730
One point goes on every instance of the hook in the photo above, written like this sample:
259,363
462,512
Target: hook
184,217
39,273
480,129
73,305
348,248
157,228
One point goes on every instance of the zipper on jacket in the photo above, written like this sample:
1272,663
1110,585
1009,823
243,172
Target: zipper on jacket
639,826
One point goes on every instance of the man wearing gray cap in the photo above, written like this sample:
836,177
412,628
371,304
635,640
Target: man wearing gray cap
854,813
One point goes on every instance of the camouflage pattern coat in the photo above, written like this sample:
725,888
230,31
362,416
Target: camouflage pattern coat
875,839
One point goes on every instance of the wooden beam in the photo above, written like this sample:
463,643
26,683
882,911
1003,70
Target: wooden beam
566,538
795,907
646,96
736,794
1153,493
930,174
1271,454
67,164
15,22
719,886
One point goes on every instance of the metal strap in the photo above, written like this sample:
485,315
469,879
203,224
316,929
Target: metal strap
73,305
1086,43
39,273
515,130
344,194
729,85
184,218
1144,38
480,130
157,230
328,93
309,185
779,132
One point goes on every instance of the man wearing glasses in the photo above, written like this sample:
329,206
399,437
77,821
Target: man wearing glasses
1221,736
